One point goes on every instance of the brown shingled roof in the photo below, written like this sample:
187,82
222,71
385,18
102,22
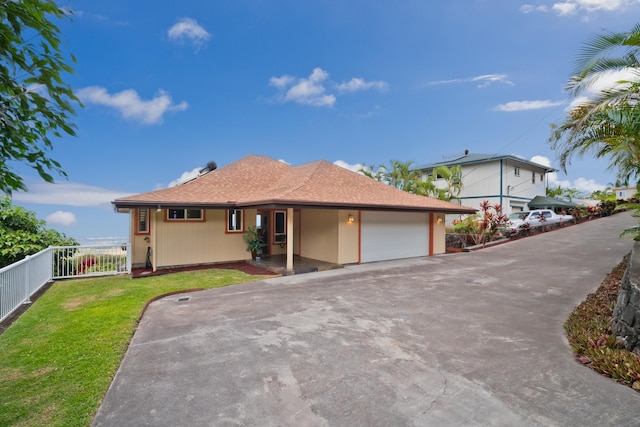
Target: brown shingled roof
256,181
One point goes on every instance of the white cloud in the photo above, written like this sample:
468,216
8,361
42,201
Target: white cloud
587,185
584,185
605,81
130,105
312,90
528,8
68,194
281,82
353,168
571,7
357,84
541,160
61,218
186,176
564,8
309,91
484,80
187,29
527,105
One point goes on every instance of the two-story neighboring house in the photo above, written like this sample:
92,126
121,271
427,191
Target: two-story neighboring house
508,180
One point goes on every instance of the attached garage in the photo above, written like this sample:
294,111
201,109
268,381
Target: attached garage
320,211
393,235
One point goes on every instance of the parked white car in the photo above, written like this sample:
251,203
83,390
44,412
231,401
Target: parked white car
536,218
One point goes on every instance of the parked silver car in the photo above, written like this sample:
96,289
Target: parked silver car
536,218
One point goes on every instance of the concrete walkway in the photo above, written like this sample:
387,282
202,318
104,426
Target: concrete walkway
459,339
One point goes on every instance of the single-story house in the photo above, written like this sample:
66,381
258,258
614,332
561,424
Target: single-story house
546,202
316,210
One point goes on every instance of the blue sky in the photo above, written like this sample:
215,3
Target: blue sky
169,86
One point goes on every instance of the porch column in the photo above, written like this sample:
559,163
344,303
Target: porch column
289,239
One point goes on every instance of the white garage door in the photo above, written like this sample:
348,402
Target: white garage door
393,235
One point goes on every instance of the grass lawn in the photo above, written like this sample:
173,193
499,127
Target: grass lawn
57,360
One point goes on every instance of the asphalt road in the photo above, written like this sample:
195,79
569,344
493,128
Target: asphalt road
458,339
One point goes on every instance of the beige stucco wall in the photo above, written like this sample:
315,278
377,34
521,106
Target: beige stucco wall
439,233
326,235
323,234
186,243
349,242
319,234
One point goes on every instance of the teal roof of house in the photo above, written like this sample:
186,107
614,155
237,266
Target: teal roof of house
472,158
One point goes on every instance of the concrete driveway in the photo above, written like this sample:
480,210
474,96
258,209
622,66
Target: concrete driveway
459,339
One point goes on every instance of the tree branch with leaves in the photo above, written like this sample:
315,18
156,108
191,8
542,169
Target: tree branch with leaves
35,102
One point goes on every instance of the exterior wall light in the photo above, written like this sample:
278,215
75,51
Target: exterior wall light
439,220
350,219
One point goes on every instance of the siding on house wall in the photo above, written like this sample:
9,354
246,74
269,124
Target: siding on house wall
482,181
186,243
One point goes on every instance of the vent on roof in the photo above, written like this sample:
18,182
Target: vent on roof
210,167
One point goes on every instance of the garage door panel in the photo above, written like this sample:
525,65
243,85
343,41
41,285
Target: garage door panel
393,235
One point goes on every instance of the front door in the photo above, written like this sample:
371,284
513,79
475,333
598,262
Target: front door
262,223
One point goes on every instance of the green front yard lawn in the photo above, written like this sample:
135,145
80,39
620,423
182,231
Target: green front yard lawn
57,360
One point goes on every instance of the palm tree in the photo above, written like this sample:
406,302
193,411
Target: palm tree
401,175
609,124
613,132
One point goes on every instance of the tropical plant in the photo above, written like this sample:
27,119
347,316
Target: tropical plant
253,240
603,195
35,103
401,175
22,234
484,226
554,191
607,125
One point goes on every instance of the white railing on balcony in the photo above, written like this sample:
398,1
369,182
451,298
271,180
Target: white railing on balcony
20,280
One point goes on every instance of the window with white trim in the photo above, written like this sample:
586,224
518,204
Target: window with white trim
516,171
234,221
280,227
533,177
184,214
142,221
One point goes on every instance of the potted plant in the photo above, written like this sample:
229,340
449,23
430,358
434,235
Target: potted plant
254,241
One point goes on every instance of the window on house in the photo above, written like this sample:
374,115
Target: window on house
533,177
541,177
280,227
234,221
143,221
184,214
516,171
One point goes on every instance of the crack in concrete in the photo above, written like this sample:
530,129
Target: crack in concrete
442,394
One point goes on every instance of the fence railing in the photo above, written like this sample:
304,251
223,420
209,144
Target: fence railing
20,280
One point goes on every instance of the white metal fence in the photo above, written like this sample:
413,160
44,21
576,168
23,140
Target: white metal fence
20,280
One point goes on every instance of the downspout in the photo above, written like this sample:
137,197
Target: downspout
431,229
154,242
359,237
501,188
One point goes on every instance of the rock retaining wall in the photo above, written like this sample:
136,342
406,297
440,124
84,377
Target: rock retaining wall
626,314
